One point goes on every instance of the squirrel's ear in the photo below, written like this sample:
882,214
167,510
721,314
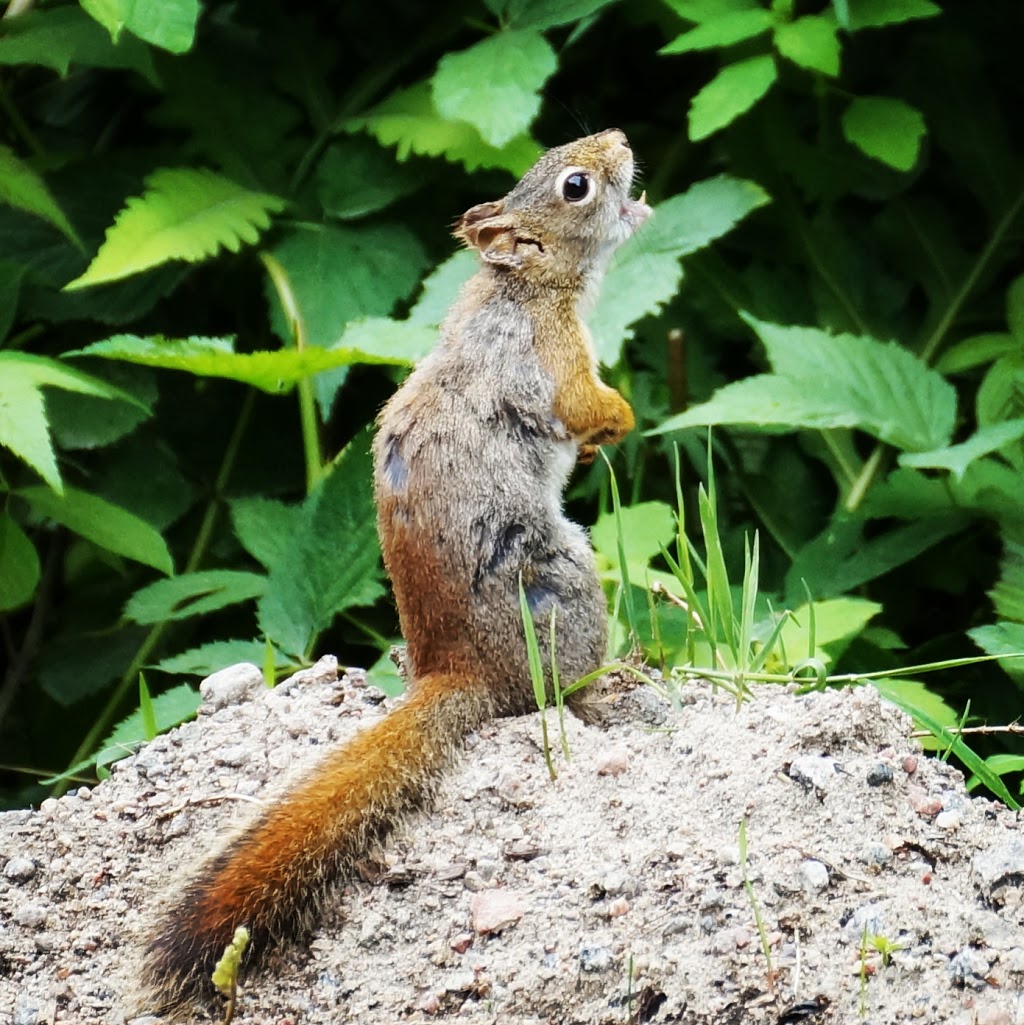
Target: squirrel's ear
493,234
468,225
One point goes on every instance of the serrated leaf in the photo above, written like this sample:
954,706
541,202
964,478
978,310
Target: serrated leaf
645,273
732,27
340,274
208,658
193,594
385,340
826,381
1001,394
811,42
732,92
1002,638
19,564
544,14
169,24
441,287
60,37
356,177
103,523
21,187
873,13
956,458
24,427
408,119
515,65
322,555
271,372
185,214
885,129
1007,594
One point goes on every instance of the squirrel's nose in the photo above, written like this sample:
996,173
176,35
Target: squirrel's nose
614,137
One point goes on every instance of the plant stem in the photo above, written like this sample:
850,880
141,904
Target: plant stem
307,402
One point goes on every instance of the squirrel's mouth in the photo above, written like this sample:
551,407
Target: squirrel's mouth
634,212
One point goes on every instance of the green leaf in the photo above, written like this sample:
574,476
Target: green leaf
441,288
885,129
825,381
515,65
340,274
86,422
976,351
1008,592
841,559
732,27
811,42
208,658
956,458
193,594
184,214
169,24
19,564
322,556
873,13
64,36
21,187
103,523
543,14
732,92
1002,638
355,177
645,272
23,424
837,621
169,709
380,339
646,527
408,119
271,372
1015,309
893,691
1001,394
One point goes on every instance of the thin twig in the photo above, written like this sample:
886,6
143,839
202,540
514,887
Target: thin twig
1013,727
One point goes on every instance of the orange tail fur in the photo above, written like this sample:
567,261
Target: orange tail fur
276,875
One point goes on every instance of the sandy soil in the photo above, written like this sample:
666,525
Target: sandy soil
614,894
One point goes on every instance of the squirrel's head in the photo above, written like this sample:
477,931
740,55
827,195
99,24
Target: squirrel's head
565,217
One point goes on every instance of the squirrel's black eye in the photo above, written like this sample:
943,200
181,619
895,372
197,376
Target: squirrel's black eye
576,187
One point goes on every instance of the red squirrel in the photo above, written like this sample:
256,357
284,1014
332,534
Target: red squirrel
471,456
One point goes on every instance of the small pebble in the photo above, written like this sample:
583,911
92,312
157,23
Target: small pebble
461,943
875,854
948,820
813,772
233,756
19,869
26,1010
813,876
925,805
618,907
231,686
30,916
910,764
879,775
968,969
493,910
614,763
594,960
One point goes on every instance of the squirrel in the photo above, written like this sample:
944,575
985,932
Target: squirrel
471,456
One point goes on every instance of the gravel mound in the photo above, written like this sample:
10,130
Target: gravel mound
613,894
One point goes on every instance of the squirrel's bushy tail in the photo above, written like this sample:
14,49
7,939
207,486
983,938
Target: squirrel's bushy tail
275,876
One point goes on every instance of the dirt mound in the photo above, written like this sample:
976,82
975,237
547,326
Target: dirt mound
614,894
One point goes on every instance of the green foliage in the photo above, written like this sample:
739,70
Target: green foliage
830,277
184,214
